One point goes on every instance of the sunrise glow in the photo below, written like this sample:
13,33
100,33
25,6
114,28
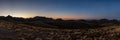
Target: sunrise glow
63,9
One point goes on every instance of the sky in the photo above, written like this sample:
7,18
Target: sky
65,9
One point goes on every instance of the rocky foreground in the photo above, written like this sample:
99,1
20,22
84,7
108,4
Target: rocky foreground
17,31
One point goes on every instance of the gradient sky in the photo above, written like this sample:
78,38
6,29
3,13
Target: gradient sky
66,9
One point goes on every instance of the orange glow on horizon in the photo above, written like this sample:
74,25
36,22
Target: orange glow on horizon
54,15
71,18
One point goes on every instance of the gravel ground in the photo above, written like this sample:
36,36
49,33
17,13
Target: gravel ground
13,31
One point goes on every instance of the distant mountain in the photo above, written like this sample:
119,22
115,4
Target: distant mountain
59,23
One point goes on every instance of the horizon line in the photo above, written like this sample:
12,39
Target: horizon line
58,18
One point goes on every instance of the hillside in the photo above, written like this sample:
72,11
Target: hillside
17,31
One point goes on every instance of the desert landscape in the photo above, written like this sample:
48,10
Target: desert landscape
59,19
21,29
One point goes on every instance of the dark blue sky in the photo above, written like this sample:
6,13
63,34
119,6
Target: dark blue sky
66,9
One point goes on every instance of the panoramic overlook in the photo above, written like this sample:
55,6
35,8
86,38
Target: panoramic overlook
59,20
